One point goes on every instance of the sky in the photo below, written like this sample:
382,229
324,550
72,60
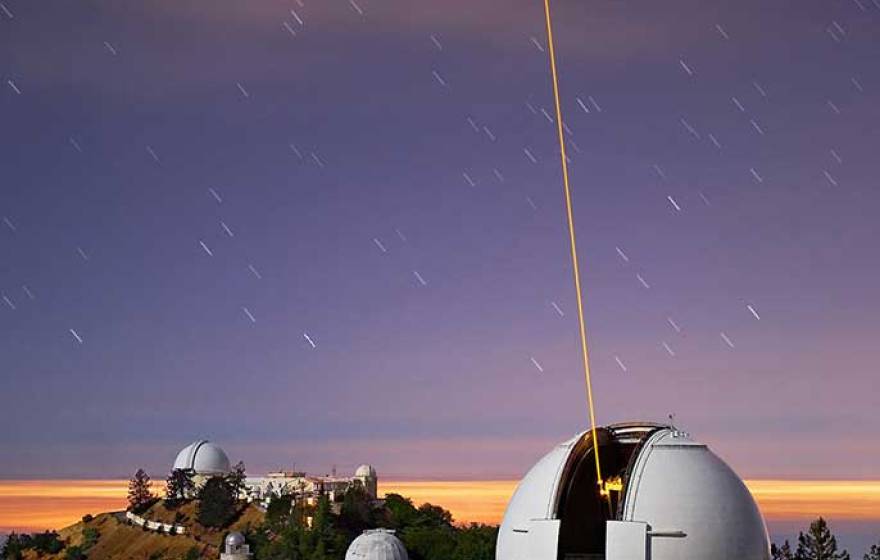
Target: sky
327,233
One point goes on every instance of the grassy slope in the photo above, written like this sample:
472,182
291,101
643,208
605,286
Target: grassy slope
118,540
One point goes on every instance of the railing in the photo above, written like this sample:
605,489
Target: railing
155,526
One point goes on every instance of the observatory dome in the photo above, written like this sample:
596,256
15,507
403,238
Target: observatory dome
376,544
234,540
202,457
365,471
673,499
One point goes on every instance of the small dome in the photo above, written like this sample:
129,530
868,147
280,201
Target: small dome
234,540
376,544
202,457
365,471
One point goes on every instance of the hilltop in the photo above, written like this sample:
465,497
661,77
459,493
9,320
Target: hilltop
287,529
113,537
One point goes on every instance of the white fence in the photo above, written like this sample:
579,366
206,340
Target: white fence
155,525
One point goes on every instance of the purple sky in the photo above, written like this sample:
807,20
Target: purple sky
435,379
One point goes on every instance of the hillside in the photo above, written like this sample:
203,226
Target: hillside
118,540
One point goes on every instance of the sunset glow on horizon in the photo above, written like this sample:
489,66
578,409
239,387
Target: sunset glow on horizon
31,505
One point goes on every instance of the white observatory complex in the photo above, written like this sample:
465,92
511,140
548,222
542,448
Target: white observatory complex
670,498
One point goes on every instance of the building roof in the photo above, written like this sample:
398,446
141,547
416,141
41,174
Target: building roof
674,484
376,544
203,457
365,471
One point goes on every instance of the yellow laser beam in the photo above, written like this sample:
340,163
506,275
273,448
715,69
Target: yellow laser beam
573,243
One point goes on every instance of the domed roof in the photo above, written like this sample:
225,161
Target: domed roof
202,457
234,540
671,482
376,544
679,484
365,471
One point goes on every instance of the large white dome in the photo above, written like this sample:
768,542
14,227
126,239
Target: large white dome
376,544
202,457
678,501
365,471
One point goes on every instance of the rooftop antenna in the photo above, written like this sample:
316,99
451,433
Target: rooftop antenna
604,489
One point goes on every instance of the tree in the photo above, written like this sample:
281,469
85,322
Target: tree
873,553
216,503
475,542
74,553
140,496
13,548
179,486
278,512
192,553
783,552
356,513
401,511
323,540
236,479
434,516
819,543
429,543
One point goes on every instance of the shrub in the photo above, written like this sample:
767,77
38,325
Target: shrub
90,538
88,518
74,553
46,543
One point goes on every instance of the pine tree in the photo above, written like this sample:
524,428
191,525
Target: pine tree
783,552
819,543
216,503
139,495
236,479
179,486
874,553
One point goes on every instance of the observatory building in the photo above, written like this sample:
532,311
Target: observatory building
669,498
234,548
203,459
301,485
376,544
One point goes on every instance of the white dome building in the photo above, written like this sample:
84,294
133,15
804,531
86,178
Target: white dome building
366,474
235,548
376,544
676,501
203,458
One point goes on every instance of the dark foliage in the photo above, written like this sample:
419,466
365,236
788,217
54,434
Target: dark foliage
236,479
819,543
783,552
217,503
140,496
74,553
426,531
90,538
179,486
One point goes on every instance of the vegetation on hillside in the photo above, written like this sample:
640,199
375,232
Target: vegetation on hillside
294,531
